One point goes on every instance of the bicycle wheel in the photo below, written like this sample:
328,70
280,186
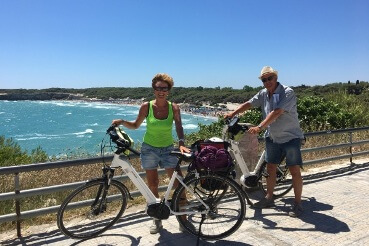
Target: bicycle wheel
225,199
283,181
91,209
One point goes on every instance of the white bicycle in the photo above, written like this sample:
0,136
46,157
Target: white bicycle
232,132
207,205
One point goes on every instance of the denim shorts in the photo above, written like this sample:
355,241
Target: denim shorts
152,157
291,149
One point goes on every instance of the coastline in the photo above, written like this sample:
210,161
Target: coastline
205,110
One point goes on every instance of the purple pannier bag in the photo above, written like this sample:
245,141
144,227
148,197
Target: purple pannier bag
213,158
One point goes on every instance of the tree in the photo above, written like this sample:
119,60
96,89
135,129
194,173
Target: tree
247,88
11,154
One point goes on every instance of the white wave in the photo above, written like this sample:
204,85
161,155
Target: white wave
129,112
119,107
51,136
90,124
68,113
103,106
31,138
2,112
36,135
40,137
63,104
87,131
100,105
190,126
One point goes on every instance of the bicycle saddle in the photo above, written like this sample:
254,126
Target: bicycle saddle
185,156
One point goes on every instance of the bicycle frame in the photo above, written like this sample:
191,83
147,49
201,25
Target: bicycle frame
235,150
241,162
195,200
250,178
123,162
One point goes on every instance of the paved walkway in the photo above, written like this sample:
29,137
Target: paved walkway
336,213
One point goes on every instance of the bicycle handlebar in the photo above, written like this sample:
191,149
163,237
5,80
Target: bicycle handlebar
233,126
122,143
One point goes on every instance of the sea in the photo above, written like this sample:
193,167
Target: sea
73,128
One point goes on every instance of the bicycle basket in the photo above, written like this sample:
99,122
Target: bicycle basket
212,157
215,142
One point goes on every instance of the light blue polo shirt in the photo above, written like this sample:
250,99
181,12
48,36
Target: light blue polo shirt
287,125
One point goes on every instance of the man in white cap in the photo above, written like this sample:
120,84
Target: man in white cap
283,134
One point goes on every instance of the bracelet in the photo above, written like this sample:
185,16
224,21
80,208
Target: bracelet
181,140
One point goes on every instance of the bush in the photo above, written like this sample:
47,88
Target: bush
317,113
11,154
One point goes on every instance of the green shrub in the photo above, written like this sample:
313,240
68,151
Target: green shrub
11,154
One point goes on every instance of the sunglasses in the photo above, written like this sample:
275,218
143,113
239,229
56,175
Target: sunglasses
158,88
267,79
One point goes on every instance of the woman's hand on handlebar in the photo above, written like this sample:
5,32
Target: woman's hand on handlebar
117,122
184,149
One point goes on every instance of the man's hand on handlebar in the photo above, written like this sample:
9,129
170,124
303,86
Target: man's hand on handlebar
254,130
228,115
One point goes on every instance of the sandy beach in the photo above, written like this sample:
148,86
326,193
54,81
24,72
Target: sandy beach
205,110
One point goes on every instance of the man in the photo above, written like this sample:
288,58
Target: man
283,133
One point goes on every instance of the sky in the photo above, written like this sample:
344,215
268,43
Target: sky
208,43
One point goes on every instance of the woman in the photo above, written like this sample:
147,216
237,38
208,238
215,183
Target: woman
158,140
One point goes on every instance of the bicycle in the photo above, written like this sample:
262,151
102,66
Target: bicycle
232,132
206,213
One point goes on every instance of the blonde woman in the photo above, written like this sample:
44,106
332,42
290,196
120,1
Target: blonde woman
158,140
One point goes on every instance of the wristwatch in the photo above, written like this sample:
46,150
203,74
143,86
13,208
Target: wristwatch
260,126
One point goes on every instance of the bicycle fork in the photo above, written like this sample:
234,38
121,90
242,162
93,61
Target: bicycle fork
99,204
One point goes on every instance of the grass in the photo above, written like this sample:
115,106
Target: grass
44,178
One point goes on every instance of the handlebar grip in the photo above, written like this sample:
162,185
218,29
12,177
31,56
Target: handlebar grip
233,121
134,151
111,128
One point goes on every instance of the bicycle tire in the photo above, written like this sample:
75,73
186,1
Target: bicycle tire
82,220
283,181
227,209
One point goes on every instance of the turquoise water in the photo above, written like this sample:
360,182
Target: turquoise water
68,127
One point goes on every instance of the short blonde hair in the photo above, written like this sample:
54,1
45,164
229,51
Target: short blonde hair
164,78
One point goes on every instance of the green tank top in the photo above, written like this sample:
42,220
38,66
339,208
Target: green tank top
159,132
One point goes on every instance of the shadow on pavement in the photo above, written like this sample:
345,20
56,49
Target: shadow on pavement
55,236
321,222
312,207
335,173
185,239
